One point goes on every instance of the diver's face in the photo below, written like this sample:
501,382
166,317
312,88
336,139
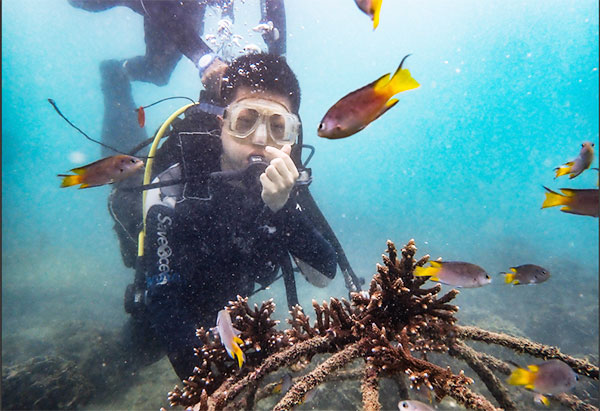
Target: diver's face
237,151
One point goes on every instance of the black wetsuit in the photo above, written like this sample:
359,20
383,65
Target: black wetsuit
210,239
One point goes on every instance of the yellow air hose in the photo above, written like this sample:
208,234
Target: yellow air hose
148,171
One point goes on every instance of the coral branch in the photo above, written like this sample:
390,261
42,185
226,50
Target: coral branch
574,403
228,391
467,397
392,327
338,360
523,345
471,357
370,389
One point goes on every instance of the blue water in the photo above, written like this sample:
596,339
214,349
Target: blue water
509,90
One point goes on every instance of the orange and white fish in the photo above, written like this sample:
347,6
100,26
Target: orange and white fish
550,377
581,202
456,273
371,8
358,109
229,337
105,171
579,164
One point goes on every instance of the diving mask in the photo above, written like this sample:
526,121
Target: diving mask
242,118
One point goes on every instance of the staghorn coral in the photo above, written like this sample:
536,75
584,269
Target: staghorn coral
392,328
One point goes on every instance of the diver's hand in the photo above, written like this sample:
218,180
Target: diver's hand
279,177
211,77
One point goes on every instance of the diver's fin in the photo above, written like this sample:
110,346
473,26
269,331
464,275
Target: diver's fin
311,274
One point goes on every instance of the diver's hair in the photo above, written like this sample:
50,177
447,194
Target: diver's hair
261,72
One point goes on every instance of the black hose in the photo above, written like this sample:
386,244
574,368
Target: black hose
288,280
308,203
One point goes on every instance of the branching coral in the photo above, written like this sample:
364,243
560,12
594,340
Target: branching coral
392,328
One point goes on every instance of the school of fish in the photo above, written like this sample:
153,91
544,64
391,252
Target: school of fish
348,116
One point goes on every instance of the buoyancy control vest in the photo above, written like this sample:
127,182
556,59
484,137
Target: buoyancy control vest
198,153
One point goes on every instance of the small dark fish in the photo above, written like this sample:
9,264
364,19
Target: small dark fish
283,385
371,8
105,171
526,274
308,396
550,377
581,202
141,116
358,109
456,273
414,405
579,164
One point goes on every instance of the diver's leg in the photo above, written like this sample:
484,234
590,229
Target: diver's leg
160,60
182,24
273,10
140,345
95,5
119,127
125,207
101,5
183,362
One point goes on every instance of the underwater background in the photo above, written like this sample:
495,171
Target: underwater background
509,90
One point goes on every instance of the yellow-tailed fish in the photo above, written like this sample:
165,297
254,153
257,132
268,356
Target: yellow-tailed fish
413,405
526,274
229,337
371,8
456,273
550,377
581,202
579,164
105,171
308,396
283,385
356,110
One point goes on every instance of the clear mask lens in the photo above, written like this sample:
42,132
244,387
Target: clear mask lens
242,119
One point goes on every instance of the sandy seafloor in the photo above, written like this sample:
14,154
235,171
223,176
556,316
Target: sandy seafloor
509,90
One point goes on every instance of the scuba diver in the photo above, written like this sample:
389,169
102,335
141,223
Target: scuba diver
172,29
226,206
